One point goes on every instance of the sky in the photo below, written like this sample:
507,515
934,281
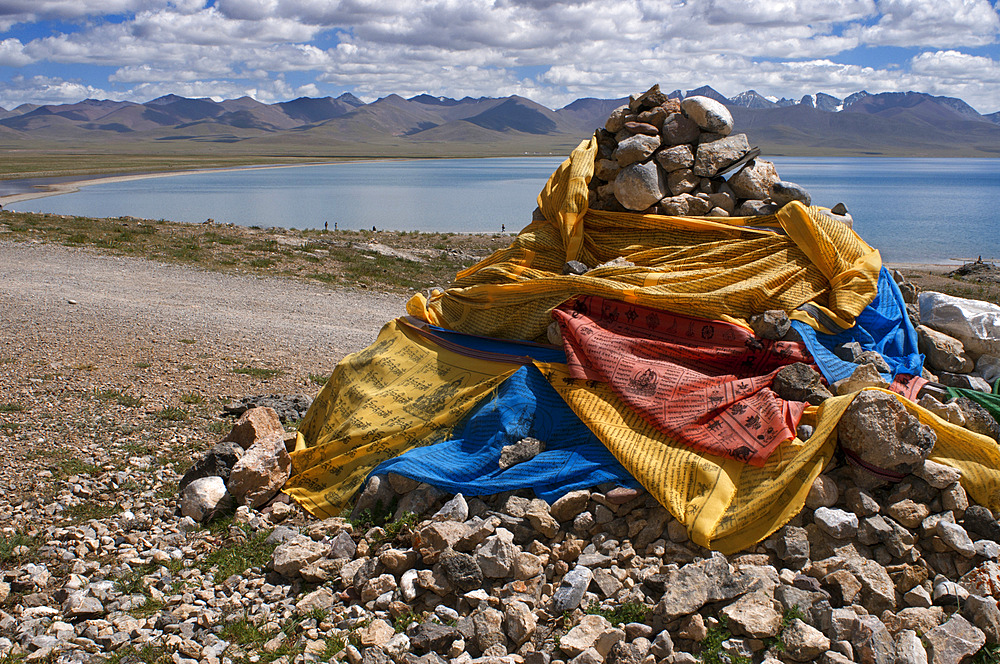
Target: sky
553,52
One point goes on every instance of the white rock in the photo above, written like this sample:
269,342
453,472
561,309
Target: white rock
205,496
708,114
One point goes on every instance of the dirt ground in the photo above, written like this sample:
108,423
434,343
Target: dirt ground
104,356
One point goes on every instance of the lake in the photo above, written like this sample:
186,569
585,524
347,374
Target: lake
912,210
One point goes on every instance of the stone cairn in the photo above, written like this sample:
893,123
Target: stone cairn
889,561
667,156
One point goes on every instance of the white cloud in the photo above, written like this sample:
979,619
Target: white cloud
782,13
940,23
45,90
574,48
12,53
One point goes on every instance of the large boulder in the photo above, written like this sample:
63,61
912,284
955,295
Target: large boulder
256,424
943,352
882,439
640,186
205,496
973,322
754,181
261,472
710,115
717,155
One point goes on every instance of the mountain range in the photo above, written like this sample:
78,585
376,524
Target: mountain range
891,123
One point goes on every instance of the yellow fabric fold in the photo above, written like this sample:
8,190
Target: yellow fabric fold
399,393
729,506
798,260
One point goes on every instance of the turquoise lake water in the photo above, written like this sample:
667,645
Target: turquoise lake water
912,210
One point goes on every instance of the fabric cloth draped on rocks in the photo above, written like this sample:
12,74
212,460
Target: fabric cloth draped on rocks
798,260
523,405
882,326
401,392
705,383
413,386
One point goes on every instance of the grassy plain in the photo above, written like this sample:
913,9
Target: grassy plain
388,260
394,261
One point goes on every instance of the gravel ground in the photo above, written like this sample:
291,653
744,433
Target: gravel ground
113,375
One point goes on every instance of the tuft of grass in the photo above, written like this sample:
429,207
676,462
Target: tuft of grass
333,645
192,398
10,543
381,517
172,414
218,426
92,509
11,407
147,654
118,396
629,612
404,620
257,372
988,654
187,341
238,557
777,643
73,466
244,632
711,646
318,379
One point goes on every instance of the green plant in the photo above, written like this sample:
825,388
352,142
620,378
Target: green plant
192,398
381,517
11,542
257,372
172,414
122,398
787,616
72,466
91,509
237,557
318,379
404,620
245,633
711,646
218,426
11,407
988,654
187,341
142,365
333,645
629,612
147,654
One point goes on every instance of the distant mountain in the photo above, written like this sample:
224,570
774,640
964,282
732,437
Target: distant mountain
587,113
898,123
707,91
752,99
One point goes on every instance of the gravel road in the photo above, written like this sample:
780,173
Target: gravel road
108,307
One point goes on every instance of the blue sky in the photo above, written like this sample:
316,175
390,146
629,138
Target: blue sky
63,51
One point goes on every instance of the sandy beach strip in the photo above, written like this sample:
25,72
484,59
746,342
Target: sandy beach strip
44,189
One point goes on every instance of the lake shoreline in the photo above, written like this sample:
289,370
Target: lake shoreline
75,183
430,204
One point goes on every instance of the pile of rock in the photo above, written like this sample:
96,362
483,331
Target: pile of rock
870,571
666,156
247,467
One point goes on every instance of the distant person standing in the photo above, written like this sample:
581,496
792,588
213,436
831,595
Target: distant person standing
326,226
